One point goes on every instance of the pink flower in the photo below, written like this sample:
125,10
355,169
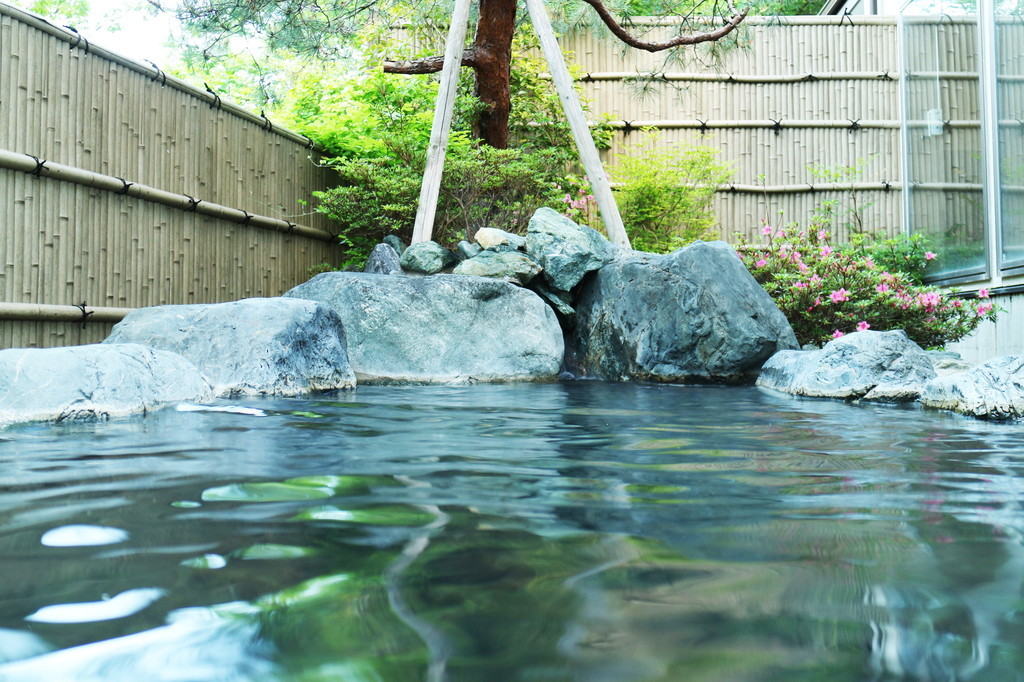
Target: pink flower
839,295
882,288
984,308
767,229
761,263
822,235
928,255
802,266
983,293
814,279
837,334
826,251
929,300
863,326
869,264
801,285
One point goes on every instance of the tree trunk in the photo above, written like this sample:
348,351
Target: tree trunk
492,64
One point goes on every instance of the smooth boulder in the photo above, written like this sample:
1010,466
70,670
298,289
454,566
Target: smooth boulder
511,266
274,346
692,316
442,329
565,250
94,382
492,238
992,390
867,365
427,258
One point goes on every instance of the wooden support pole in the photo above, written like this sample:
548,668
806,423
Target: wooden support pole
443,113
578,123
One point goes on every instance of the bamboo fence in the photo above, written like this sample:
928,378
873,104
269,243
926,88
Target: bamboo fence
795,99
122,187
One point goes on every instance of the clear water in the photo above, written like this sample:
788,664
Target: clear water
575,531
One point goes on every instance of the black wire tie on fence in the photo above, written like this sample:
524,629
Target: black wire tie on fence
886,186
703,126
587,77
730,79
79,39
885,76
193,204
159,75
627,126
291,227
777,126
216,98
124,187
812,189
40,166
267,125
947,126
810,77
847,16
854,125
85,313
309,142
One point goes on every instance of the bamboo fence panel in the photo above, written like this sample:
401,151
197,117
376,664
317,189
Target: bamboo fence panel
168,144
795,95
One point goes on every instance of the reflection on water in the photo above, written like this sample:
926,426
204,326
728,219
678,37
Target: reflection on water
576,531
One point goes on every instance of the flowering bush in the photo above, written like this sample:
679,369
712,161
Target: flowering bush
826,292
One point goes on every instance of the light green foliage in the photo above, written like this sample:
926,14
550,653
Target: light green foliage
908,254
376,128
72,12
666,193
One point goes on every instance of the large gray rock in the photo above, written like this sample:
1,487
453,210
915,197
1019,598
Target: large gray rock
511,266
441,329
565,250
868,365
384,260
427,258
992,390
277,346
692,316
93,382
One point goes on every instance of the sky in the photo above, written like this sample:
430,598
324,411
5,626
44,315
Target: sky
124,27
141,36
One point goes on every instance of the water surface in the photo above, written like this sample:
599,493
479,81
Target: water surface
571,531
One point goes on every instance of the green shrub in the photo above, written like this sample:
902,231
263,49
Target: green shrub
666,193
481,187
908,254
827,292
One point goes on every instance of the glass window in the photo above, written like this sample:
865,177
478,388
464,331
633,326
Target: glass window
943,137
1010,105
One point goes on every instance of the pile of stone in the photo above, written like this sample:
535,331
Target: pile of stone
559,300
889,367
505,308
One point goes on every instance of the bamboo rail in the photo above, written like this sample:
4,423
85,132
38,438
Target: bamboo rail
812,188
738,77
45,169
61,313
